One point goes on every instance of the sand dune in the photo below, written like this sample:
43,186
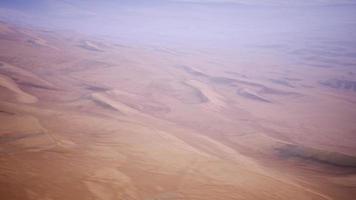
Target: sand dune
89,45
252,95
211,95
134,123
105,100
21,133
20,95
23,76
248,89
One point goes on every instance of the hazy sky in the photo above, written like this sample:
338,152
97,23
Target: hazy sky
39,4
285,25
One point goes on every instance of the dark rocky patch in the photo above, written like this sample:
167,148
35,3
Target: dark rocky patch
90,48
252,96
10,137
32,43
224,80
33,85
192,71
105,105
267,90
97,88
282,82
339,84
6,112
316,155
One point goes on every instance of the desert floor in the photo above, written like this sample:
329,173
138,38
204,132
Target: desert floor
87,118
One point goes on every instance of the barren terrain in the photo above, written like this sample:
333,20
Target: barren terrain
85,118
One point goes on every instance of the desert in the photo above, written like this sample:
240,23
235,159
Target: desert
171,115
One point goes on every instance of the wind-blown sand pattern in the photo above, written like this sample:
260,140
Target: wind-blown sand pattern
20,95
89,45
83,118
212,97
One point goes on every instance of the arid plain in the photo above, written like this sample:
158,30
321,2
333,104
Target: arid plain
87,118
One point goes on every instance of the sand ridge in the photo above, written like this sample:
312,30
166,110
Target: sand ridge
105,121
